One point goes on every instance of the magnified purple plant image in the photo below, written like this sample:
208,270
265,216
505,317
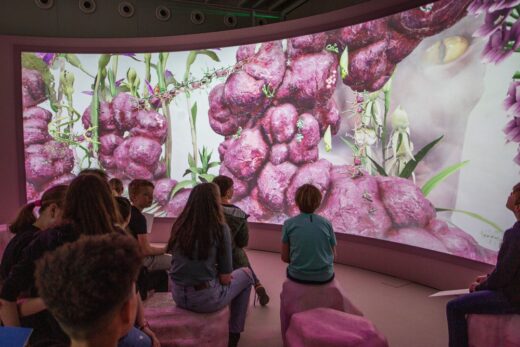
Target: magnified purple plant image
379,116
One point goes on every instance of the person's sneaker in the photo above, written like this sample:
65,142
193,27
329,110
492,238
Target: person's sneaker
263,298
233,339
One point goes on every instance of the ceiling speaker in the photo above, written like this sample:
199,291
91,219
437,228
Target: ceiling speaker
163,13
230,21
261,21
87,6
44,4
197,17
126,9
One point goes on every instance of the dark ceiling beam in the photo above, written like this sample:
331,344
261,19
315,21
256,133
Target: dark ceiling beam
292,7
258,3
276,4
242,3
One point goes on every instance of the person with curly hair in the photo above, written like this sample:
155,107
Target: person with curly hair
95,304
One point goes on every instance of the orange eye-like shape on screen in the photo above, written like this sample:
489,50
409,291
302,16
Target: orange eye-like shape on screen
446,50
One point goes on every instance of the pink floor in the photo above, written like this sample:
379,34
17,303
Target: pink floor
401,310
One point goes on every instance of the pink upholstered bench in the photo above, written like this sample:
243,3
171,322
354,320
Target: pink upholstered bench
176,327
325,327
296,297
486,330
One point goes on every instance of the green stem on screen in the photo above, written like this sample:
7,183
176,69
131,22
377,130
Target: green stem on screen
147,73
193,137
94,114
168,150
385,130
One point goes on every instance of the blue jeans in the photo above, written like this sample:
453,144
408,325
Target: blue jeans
481,302
135,338
217,296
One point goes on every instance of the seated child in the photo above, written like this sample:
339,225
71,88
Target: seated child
141,197
116,185
496,293
236,219
156,262
308,241
95,304
26,225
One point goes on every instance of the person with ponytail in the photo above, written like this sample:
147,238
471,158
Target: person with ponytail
89,209
27,224
202,266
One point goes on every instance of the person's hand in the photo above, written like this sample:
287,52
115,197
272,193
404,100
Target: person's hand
481,278
151,334
472,286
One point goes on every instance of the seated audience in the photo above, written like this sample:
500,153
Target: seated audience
125,210
117,186
308,241
201,272
89,209
496,293
26,225
236,219
95,304
141,196
153,276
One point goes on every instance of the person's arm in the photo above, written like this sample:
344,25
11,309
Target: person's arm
507,263
224,279
286,249
9,313
20,279
286,252
148,249
143,324
225,260
333,242
242,235
30,306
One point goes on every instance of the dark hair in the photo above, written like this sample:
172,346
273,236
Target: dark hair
26,217
117,185
135,186
90,206
224,183
124,207
84,282
308,198
97,172
516,189
199,224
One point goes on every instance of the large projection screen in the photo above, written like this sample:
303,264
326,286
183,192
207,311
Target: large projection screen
407,124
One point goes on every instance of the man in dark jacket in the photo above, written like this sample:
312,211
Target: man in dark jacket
496,293
236,219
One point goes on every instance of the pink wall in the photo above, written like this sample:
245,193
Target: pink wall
419,265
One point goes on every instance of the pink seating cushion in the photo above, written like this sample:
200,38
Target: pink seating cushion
175,327
486,330
325,327
296,297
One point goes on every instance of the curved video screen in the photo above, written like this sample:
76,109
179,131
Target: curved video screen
407,124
